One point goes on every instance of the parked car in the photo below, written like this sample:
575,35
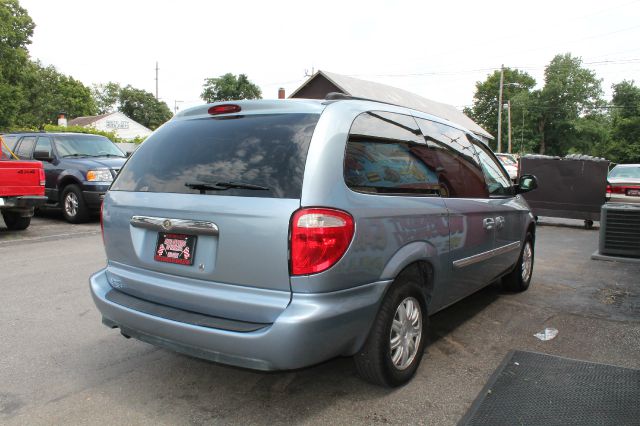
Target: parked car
279,234
79,168
510,163
624,183
21,188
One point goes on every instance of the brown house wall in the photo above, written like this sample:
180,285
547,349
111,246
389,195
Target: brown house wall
317,89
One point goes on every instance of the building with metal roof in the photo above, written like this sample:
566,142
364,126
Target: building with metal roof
323,82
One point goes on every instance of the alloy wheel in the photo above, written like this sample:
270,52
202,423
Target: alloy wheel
406,333
71,204
527,261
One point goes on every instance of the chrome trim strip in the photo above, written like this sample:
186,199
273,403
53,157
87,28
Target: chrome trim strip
199,227
461,263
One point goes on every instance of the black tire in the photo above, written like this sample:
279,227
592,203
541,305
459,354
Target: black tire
15,222
74,209
374,362
516,281
588,224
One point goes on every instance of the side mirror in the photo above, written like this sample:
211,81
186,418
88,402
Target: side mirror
526,183
42,156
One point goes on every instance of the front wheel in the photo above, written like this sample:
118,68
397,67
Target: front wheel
519,279
74,209
394,348
15,221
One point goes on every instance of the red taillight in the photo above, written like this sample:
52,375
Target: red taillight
42,178
620,189
224,109
319,238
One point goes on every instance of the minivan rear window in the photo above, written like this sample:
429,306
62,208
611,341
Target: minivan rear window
191,156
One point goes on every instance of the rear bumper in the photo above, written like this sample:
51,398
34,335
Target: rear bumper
312,329
623,198
24,203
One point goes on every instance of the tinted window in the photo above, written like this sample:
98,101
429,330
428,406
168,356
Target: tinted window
455,160
386,154
25,148
268,150
44,145
385,126
498,183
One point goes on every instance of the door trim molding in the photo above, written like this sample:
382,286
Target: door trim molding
461,263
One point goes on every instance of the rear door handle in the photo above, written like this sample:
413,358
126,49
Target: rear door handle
488,223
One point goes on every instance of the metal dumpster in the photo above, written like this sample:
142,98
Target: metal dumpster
572,187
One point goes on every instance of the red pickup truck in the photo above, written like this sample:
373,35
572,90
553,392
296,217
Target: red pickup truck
21,189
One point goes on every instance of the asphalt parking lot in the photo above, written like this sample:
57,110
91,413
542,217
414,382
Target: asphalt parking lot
60,365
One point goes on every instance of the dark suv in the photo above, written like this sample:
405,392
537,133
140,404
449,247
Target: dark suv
79,168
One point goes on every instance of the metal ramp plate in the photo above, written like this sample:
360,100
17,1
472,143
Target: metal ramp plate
530,388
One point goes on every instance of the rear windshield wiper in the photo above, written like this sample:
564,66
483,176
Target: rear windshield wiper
221,186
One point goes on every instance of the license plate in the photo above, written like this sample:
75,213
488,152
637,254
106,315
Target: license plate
175,248
633,192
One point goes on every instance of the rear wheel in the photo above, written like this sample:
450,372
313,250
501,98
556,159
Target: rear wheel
15,221
394,348
518,280
74,209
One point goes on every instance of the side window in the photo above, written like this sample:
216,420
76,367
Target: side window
455,159
386,154
25,147
498,183
44,145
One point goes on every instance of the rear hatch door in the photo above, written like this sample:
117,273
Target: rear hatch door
198,218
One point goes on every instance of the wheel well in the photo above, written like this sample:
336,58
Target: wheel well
422,271
532,230
64,183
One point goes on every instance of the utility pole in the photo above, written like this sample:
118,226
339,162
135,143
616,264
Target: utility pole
156,79
500,109
509,120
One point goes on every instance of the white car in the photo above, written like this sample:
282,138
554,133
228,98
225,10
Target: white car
510,163
624,184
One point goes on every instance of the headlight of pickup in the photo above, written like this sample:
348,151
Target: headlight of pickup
101,175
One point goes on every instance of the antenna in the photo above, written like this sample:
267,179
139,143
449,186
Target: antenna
306,72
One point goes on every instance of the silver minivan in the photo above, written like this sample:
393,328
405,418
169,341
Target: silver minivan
275,235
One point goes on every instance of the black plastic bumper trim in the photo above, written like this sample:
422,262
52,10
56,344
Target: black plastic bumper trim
179,315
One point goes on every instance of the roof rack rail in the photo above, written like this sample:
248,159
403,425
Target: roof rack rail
20,132
337,96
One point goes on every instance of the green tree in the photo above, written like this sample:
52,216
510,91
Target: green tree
106,96
49,92
143,107
625,124
16,29
570,93
229,87
485,101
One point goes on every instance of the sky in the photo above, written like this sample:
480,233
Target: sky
438,50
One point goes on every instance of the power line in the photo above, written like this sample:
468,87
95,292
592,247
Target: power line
470,71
